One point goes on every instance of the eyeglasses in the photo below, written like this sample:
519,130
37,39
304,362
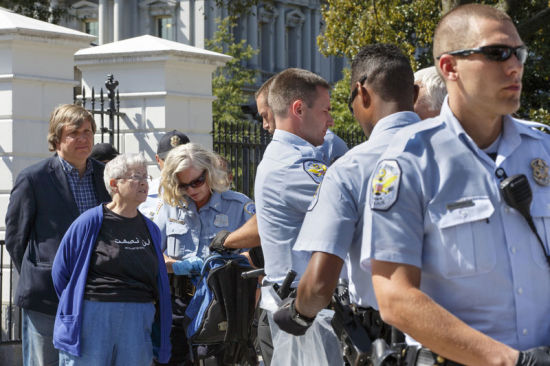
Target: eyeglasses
353,94
498,53
196,183
139,178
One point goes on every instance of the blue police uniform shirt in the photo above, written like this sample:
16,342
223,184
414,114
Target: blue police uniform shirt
334,221
286,181
187,233
153,202
434,203
333,147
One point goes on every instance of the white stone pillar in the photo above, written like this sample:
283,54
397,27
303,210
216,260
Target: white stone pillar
200,23
280,35
36,75
253,35
316,61
117,20
103,22
307,40
163,85
185,18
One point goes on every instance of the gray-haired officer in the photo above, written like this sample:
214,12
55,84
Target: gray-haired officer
167,142
453,264
382,98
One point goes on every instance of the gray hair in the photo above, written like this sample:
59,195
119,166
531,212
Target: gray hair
434,85
121,166
198,157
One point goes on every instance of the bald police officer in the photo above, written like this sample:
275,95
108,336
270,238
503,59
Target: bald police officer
453,265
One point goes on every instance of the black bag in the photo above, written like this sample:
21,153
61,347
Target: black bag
222,309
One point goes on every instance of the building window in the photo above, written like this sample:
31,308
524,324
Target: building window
91,26
165,27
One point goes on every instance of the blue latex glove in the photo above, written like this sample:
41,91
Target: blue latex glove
188,267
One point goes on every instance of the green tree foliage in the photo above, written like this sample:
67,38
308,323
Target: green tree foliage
228,82
349,25
37,9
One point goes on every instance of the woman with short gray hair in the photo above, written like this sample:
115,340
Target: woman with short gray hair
109,273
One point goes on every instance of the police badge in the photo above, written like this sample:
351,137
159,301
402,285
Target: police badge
175,141
540,172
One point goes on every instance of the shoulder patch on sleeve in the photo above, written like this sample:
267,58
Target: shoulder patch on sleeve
250,208
385,185
315,169
315,198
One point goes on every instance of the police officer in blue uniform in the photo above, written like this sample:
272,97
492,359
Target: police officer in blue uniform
382,98
453,265
196,205
333,147
291,168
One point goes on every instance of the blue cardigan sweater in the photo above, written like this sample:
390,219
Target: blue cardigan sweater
69,273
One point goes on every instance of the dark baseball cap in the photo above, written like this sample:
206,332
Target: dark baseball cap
103,152
169,141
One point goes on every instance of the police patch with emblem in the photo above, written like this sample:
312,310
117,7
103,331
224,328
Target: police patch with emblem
315,169
385,185
540,172
250,208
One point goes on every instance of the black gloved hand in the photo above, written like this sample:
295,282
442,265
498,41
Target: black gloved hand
289,320
217,243
539,356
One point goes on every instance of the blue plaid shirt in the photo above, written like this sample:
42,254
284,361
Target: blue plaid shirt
82,188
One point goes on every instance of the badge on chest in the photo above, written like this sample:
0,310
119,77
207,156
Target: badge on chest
221,220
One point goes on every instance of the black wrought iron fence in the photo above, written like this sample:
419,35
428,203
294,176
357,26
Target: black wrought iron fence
10,314
108,113
243,144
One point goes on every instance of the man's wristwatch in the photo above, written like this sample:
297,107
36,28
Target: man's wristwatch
298,318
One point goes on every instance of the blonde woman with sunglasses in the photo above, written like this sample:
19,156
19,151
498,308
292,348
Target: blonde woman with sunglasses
197,204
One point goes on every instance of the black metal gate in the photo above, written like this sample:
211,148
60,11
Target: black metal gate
97,107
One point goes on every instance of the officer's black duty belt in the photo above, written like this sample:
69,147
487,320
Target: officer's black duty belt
425,357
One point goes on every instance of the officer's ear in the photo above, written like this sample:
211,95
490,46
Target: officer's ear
364,94
416,93
447,65
297,108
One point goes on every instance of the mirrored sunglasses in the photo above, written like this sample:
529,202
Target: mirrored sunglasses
498,53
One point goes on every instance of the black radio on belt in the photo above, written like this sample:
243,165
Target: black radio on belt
516,192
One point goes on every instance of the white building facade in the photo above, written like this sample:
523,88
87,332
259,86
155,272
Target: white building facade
284,31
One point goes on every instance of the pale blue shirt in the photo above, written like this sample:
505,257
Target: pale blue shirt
286,181
334,221
187,233
478,257
153,202
333,147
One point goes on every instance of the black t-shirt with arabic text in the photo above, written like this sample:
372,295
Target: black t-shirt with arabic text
123,266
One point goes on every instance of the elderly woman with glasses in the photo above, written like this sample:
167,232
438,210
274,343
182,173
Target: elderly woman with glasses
110,276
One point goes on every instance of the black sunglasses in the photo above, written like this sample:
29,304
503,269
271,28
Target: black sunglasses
494,52
354,94
196,183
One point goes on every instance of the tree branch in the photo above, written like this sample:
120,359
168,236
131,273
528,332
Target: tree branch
528,27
